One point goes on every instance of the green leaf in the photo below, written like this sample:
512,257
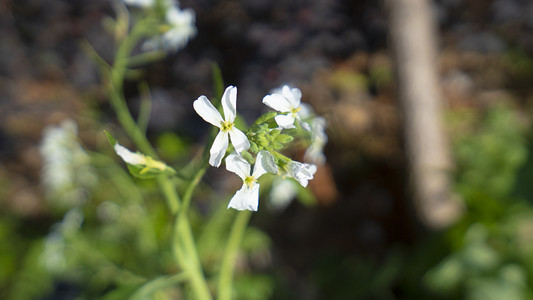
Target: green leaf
265,117
284,138
276,145
110,138
247,156
253,147
274,133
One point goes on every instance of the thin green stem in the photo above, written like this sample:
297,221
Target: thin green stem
184,240
225,280
145,58
149,288
169,192
184,246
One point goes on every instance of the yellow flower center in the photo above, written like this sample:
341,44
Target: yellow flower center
249,181
226,126
294,111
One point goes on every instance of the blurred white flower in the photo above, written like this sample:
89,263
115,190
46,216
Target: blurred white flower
314,153
140,3
247,198
210,114
66,173
178,31
53,256
282,192
129,157
287,100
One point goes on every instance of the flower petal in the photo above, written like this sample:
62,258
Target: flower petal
238,165
207,111
305,125
128,156
218,149
285,121
277,102
306,111
229,103
264,162
246,198
301,172
282,192
238,139
293,95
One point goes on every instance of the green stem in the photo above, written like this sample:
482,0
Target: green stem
149,288
169,192
145,58
184,247
225,281
184,241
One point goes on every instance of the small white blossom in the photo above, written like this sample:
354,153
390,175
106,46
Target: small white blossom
247,198
129,157
140,160
287,100
67,173
180,29
314,153
301,172
210,114
140,3
282,192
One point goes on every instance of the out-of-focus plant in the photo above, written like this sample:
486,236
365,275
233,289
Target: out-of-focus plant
490,248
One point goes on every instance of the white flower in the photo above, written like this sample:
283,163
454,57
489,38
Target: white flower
314,153
67,173
287,100
129,157
282,192
247,198
180,29
140,160
210,114
301,172
140,3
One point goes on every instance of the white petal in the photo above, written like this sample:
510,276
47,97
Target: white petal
238,165
264,162
207,111
306,111
319,129
285,121
245,198
301,172
305,125
238,139
282,192
128,156
293,95
218,149
314,154
229,103
277,102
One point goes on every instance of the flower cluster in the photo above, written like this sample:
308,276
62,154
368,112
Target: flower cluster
67,174
177,29
264,139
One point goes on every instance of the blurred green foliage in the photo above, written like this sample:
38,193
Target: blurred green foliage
490,249
118,241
